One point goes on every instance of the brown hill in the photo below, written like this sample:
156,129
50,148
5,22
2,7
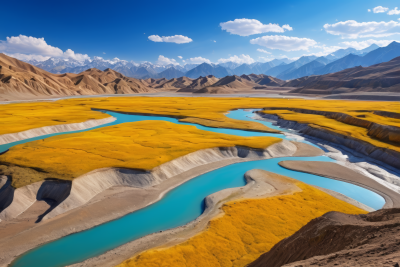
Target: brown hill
235,82
263,79
383,77
200,83
337,239
20,80
229,84
213,90
175,83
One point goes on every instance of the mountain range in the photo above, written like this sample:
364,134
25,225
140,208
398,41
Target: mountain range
20,80
383,77
283,69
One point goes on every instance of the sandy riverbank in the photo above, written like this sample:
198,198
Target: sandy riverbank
261,184
338,172
22,233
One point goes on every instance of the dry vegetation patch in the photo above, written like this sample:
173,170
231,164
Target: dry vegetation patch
136,145
248,228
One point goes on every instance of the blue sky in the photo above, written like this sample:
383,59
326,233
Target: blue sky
109,29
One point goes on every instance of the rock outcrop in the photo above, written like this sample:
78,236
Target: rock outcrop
386,155
337,239
381,132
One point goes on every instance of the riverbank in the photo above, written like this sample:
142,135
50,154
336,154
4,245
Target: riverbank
355,156
22,233
245,224
338,172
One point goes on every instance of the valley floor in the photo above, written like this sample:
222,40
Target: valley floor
27,230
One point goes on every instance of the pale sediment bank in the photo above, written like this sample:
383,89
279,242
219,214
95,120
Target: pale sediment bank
385,155
338,172
61,128
116,195
373,168
87,186
260,184
345,198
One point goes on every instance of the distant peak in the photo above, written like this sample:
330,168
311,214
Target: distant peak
394,43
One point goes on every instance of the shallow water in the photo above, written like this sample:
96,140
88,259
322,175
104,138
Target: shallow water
179,206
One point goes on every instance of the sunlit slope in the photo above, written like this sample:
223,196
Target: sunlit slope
248,228
137,145
204,110
319,121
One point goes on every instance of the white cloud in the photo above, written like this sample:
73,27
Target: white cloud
369,10
287,27
180,57
178,39
263,51
71,54
155,38
36,48
25,57
326,50
330,49
284,56
352,29
394,11
215,41
380,9
264,59
246,27
183,61
364,44
104,53
285,43
166,61
198,60
29,45
237,59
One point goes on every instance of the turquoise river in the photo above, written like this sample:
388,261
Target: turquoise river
179,206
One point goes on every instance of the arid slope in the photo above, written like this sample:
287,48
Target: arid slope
248,227
337,239
20,80
383,77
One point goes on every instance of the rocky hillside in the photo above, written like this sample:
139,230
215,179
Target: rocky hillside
19,80
341,240
263,79
200,83
234,84
383,77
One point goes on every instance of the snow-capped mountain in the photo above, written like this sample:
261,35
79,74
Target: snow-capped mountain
57,65
230,65
283,68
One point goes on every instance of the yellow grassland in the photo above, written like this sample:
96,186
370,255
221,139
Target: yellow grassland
136,145
319,121
248,228
71,155
204,110
21,117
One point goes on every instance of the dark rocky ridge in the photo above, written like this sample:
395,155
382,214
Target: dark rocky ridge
337,239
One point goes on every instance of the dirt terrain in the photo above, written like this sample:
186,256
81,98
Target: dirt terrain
337,239
20,80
